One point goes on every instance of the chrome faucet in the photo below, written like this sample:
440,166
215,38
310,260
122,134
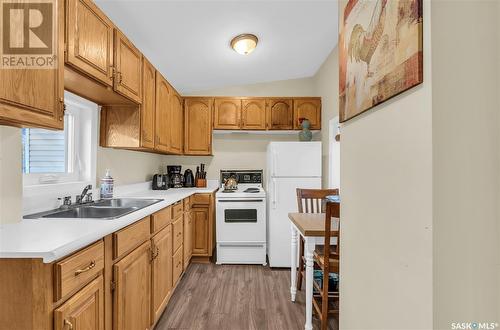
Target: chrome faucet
80,198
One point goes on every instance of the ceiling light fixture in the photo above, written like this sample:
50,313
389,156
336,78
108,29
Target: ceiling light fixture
244,44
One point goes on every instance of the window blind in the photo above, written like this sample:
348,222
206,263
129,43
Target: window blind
44,151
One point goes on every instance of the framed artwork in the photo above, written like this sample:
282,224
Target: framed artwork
380,52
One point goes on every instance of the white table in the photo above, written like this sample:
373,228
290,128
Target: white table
311,226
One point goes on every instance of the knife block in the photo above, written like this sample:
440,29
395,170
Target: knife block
201,183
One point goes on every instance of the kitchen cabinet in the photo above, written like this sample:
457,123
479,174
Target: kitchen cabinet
89,40
203,240
148,105
161,271
253,114
176,124
307,107
227,113
198,126
188,233
83,311
279,114
35,97
132,294
163,94
128,68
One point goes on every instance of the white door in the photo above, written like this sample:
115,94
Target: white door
283,200
295,159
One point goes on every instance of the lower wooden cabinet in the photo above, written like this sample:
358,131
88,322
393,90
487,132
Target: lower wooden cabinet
203,240
162,271
178,265
83,311
188,237
132,294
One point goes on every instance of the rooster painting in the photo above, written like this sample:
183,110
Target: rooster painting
380,52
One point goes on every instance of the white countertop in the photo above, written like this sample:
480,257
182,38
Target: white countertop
53,239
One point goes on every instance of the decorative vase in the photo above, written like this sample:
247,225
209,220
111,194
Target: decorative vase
305,134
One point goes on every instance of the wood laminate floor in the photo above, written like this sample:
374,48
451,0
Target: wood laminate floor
235,297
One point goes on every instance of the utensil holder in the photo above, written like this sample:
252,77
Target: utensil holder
201,183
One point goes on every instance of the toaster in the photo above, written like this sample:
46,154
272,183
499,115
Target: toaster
160,182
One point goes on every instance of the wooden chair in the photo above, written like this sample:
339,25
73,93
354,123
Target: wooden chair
309,201
328,260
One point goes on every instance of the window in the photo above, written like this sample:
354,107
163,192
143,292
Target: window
51,157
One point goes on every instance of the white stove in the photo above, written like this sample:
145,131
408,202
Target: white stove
241,219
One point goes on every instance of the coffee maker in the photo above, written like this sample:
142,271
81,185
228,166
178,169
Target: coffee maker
175,177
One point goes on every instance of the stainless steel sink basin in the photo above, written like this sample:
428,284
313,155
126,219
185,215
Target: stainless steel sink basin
126,202
106,209
92,212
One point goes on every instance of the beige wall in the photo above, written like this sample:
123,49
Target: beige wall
11,180
465,119
127,166
386,182
326,85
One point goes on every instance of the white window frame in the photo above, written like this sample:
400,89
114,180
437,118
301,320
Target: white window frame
83,166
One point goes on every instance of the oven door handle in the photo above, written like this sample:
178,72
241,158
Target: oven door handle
239,200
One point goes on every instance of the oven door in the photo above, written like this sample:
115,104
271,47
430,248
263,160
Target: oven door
241,220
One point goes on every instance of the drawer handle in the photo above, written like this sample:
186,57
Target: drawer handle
69,324
86,269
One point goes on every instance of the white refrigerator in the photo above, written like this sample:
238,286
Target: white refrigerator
290,165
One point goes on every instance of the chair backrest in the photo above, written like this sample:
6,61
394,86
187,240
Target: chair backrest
311,200
332,211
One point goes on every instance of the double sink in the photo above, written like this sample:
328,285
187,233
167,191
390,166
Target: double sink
105,209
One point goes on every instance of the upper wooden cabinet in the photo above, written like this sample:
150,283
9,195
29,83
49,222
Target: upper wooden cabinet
148,105
163,104
34,97
85,310
131,301
128,68
176,123
227,113
253,114
307,107
89,40
279,114
198,126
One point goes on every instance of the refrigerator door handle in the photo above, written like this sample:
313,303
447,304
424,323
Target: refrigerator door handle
274,162
275,194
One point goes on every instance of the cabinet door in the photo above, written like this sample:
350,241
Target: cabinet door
35,97
162,271
253,114
163,91
89,40
279,114
128,65
83,311
176,124
227,113
148,105
309,108
198,126
201,235
188,238
131,300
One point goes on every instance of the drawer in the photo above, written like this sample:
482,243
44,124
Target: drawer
77,269
187,204
130,237
177,231
203,199
177,210
177,265
160,219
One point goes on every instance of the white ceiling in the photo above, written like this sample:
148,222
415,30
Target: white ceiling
188,41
